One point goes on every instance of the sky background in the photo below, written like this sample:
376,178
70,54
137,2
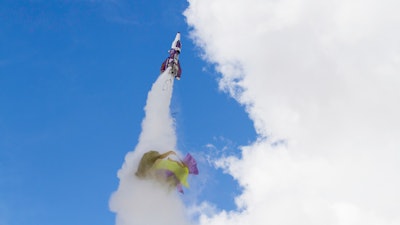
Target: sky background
291,107
74,78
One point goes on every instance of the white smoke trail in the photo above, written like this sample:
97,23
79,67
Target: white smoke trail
138,202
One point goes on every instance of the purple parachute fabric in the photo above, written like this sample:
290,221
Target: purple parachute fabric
179,188
191,163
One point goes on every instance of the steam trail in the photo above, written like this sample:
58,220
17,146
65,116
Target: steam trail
138,202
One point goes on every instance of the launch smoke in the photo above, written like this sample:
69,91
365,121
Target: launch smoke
142,202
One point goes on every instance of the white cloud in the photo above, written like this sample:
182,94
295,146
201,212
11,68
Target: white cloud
324,77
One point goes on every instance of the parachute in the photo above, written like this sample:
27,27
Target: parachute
174,173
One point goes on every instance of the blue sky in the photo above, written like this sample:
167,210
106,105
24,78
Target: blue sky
74,77
319,79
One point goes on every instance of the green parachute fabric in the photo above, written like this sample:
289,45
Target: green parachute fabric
154,165
180,171
146,163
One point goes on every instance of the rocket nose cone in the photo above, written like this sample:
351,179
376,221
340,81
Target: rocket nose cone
178,36
176,43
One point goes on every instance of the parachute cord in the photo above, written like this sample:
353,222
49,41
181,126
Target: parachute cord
179,159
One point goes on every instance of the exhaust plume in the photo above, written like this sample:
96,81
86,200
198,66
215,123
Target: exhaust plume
144,202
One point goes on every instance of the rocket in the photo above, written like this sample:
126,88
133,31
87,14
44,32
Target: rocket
173,59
